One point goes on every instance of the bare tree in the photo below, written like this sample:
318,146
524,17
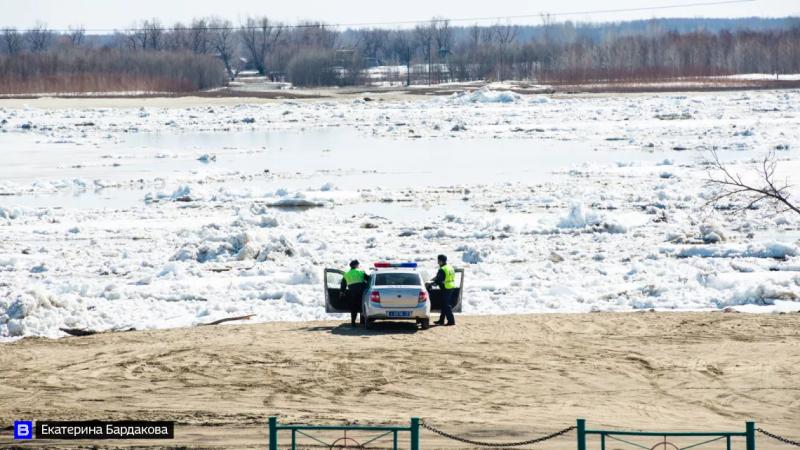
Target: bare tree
767,189
199,36
547,27
474,37
177,38
12,41
443,36
39,37
503,36
259,37
76,36
132,39
404,45
138,38
372,42
424,34
153,34
223,39
146,36
442,33
561,53
314,35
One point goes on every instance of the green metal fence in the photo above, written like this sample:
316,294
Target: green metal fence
307,431
749,434
378,432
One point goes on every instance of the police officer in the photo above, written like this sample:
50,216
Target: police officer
353,285
446,281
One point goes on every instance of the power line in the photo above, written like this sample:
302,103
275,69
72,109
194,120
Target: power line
573,13
650,8
400,22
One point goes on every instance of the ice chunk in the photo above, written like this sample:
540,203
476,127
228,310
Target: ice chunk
778,250
267,221
299,200
9,263
10,213
486,95
578,217
39,268
307,275
711,233
471,255
184,193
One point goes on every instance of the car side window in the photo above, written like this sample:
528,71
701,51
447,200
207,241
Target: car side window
333,279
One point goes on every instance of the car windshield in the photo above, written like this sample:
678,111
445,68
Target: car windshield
397,279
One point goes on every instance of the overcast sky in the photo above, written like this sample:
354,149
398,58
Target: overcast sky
105,14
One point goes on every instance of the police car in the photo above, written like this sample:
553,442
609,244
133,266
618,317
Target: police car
395,291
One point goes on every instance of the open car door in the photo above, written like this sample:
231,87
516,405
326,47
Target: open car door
333,301
436,296
459,289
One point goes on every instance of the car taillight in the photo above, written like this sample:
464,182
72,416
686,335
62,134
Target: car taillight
375,297
423,296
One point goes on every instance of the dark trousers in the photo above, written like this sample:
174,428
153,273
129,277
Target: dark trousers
354,294
448,299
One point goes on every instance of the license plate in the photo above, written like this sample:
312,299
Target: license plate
399,313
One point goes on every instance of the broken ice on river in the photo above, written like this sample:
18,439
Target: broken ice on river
150,217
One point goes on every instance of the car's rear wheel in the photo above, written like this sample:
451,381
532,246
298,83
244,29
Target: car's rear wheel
364,320
425,323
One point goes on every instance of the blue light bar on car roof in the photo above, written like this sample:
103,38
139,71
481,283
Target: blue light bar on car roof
383,264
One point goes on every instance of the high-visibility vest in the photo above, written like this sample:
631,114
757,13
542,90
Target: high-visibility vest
354,276
449,276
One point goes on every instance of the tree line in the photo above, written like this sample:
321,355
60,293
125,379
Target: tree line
208,52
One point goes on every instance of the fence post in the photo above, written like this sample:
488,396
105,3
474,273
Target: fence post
414,433
273,433
582,434
751,435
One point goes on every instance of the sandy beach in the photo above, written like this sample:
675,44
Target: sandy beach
491,377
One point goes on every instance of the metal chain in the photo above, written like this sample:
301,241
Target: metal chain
496,444
779,438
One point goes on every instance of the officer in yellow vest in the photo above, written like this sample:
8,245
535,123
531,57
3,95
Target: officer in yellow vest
354,283
446,281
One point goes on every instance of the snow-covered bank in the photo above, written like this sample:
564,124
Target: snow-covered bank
128,218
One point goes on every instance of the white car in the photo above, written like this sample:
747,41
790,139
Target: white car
395,291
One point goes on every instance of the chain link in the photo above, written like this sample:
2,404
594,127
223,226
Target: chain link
779,438
496,444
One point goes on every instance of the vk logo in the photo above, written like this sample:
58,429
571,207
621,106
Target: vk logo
23,429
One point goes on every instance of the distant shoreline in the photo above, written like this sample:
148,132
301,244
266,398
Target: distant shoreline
519,87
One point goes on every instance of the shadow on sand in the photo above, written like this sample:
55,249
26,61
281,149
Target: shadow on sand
379,327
